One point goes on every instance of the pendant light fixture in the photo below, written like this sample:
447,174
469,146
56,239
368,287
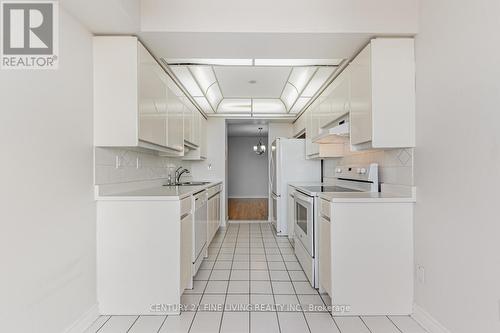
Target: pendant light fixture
260,148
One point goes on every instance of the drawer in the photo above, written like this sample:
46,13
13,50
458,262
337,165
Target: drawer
186,205
324,208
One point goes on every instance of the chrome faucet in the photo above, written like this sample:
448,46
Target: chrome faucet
179,174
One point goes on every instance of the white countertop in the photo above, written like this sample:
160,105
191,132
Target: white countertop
157,193
351,197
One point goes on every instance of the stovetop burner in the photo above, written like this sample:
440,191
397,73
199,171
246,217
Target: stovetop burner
329,188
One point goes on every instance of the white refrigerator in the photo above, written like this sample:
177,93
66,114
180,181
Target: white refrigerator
288,164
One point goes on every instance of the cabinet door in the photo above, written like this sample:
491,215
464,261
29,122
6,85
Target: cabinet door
217,212
325,275
196,128
152,100
361,97
312,130
188,122
336,103
324,109
203,137
175,110
186,251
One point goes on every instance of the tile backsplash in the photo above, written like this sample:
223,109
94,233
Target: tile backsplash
395,165
118,165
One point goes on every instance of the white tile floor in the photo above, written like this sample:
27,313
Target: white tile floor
252,282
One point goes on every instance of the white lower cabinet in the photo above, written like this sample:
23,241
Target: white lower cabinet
214,211
144,252
366,256
325,264
186,251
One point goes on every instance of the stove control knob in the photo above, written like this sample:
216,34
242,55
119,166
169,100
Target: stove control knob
339,170
362,171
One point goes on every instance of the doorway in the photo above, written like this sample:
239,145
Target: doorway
248,181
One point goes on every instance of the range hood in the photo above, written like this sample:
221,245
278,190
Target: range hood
337,133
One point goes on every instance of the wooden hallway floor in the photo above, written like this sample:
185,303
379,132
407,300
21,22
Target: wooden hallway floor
248,209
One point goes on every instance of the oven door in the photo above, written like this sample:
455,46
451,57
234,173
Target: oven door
304,221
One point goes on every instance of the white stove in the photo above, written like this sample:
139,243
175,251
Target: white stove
306,207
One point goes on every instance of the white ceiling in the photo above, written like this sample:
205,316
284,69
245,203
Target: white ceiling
254,88
235,82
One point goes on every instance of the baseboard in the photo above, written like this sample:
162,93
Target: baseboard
84,322
427,321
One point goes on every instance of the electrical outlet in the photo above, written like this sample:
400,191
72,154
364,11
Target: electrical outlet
118,162
209,166
137,162
421,274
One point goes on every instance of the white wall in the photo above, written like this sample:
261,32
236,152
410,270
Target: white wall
342,16
247,171
47,219
214,167
457,159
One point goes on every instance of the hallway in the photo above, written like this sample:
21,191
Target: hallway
252,282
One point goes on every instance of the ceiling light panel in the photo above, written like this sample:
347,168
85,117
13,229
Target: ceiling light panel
214,95
299,105
215,62
300,77
204,75
268,106
235,105
187,80
203,104
297,62
317,81
289,95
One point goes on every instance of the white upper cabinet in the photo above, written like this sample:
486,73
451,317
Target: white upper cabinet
336,101
383,95
329,106
299,127
136,104
196,126
153,100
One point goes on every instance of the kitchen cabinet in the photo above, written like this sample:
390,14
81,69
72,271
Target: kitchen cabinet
325,274
335,102
186,250
203,139
382,93
299,127
141,255
366,255
188,114
136,103
153,100
313,149
311,114
214,211
197,143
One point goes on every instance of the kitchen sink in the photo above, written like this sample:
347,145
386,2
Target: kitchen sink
190,184
193,183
